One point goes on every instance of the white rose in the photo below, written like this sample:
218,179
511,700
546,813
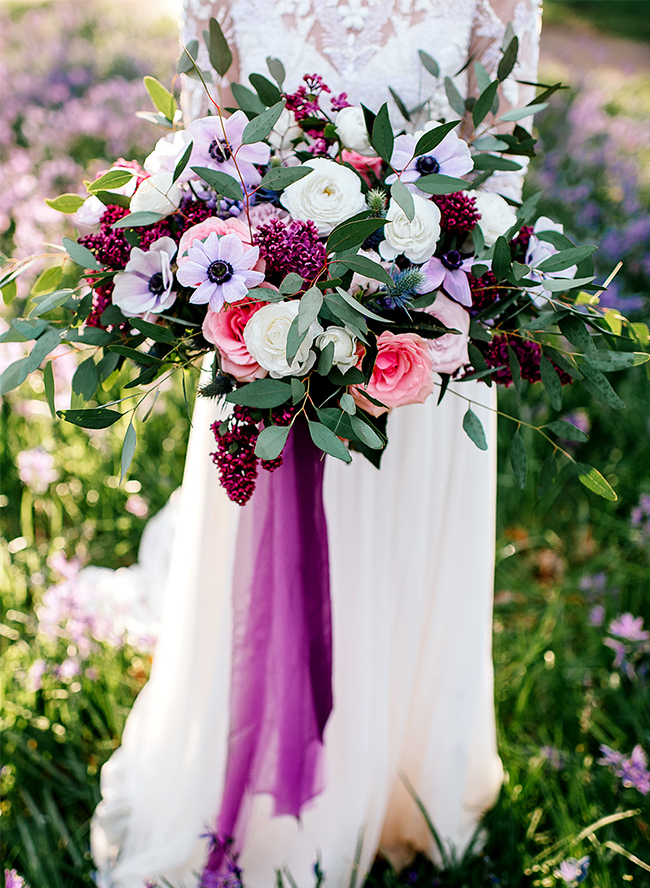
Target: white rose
497,216
328,196
351,127
157,194
345,347
265,336
167,153
285,131
417,239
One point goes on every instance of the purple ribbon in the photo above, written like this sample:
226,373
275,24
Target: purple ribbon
281,685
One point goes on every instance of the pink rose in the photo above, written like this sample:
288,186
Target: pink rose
225,329
403,373
362,164
221,226
449,352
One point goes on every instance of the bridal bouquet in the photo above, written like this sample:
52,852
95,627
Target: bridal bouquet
337,265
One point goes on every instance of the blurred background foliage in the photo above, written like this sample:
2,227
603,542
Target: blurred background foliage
568,563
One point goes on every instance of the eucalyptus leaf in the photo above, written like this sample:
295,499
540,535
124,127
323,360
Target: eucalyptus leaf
401,107
367,433
263,393
433,137
50,391
137,220
86,379
221,182
474,429
66,203
365,266
153,331
484,103
490,162
297,390
566,258
520,113
183,162
347,403
186,62
429,63
361,308
350,235
435,183
47,281
218,49
276,70
80,254
551,382
278,178
257,129
454,97
508,60
291,284
128,450
161,98
51,302
611,360
92,418
327,441
594,481
600,387
403,197
267,91
519,459
115,178
577,333
310,304
382,134
326,359
271,441
567,430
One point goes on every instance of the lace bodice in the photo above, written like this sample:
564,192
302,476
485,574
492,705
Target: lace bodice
364,46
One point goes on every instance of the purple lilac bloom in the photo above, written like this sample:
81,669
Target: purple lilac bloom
36,469
629,628
573,871
450,158
218,145
220,269
145,285
295,247
597,615
450,273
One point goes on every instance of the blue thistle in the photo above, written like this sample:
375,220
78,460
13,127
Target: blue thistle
404,288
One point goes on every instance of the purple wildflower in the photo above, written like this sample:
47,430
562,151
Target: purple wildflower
593,583
597,615
450,158
339,102
218,145
13,880
146,283
573,871
629,628
450,273
620,659
633,771
220,269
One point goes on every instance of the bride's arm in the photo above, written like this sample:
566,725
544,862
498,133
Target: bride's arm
488,29
195,20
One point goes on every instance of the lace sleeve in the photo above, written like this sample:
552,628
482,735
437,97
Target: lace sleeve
195,20
490,21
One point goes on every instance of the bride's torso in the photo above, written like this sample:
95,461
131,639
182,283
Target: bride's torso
363,46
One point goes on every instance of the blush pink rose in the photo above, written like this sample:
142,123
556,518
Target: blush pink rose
362,164
221,227
449,352
403,373
225,329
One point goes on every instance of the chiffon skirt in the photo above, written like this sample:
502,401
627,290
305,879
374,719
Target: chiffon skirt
411,559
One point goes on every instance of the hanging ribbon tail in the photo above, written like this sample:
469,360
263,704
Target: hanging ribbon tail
281,686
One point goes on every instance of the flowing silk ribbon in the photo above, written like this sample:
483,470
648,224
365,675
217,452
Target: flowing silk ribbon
281,685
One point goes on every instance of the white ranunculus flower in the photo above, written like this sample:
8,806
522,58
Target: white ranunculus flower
265,336
328,196
157,194
351,127
285,131
497,216
345,347
417,239
166,154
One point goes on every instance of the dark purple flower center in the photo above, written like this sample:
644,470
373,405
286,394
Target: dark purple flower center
219,271
452,260
156,284
219,151
427,165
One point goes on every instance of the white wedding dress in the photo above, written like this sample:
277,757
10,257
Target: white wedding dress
411,555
